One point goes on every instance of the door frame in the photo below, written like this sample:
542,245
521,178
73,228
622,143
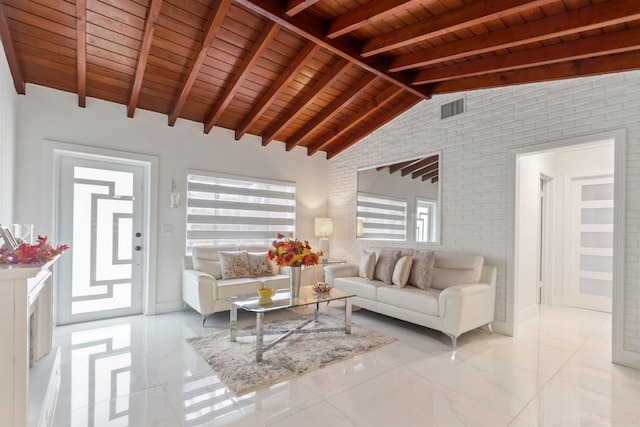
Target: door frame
619,137
53,149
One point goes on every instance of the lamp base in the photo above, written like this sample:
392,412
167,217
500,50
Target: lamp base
324,248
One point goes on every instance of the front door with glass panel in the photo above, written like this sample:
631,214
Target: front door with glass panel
100,216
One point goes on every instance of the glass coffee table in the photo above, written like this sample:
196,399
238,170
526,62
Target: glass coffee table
282,300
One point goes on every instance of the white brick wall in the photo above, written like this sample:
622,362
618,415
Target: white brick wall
474,165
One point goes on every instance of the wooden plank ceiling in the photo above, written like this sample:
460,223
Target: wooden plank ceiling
319,74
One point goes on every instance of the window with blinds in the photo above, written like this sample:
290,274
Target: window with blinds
226,209
382,218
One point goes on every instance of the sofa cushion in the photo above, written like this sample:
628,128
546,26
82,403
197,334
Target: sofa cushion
367,289
421,269
260,264
456,268
234,264
367,265
241,286
205,259
411,298
278,281
401,271
385,264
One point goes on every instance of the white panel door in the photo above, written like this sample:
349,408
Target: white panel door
101,216
591,269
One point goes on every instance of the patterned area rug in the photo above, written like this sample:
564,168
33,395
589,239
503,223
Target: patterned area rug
235,364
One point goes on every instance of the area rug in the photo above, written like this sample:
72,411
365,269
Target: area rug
235,364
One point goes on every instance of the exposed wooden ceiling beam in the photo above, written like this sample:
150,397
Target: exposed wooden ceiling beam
439,25
584,19
81,50
425,170
143,56
365,14
605,44
10,53
294,7
290,73
331,110
398,166
364,112
419,165
433,176
209,33
407,101
580,68
267,34
313,30
292,113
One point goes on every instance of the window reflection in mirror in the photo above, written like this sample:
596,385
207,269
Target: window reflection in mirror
400,201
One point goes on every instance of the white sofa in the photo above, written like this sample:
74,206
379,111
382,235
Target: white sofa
204,289
461,296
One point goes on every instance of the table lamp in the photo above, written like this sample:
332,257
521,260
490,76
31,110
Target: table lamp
324,228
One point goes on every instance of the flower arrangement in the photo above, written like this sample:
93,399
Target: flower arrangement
292,252
39,253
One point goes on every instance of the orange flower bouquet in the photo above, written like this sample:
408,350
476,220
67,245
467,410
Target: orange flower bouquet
292,253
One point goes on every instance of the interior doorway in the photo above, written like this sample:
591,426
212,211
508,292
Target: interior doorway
566,260
519,271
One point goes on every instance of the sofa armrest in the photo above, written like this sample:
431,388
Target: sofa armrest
332,272
465,307
199,290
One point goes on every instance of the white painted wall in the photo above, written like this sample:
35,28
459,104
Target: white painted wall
560,165
46,114
476,150
7,140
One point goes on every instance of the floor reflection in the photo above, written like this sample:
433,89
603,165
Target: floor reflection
101,360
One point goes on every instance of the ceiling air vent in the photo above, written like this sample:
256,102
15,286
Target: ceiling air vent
452,108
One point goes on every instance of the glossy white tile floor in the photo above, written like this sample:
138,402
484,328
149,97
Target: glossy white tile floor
138,371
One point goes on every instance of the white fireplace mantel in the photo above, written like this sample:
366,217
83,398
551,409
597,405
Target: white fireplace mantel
26,301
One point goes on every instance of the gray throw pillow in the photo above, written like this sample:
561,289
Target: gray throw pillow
421,269
367,265
387,260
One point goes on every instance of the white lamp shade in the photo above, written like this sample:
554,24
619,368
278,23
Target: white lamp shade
324,227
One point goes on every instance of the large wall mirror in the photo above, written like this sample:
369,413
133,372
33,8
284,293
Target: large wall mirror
400,200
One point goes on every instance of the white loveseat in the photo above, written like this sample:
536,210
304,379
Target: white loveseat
204,289
461,295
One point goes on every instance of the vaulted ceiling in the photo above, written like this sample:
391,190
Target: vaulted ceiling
319,74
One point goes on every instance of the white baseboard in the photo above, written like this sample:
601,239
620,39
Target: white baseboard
501,328
168,307
627,358
528,313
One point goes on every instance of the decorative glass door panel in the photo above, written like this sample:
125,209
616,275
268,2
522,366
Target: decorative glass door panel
592,242
100,207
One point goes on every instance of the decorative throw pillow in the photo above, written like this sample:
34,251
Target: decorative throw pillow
367,265
260,264
234,264
387,260
422,269
401,271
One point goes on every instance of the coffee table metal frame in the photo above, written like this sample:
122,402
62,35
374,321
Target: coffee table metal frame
282,300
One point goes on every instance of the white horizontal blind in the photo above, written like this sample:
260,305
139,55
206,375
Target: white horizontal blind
383,218
225,209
